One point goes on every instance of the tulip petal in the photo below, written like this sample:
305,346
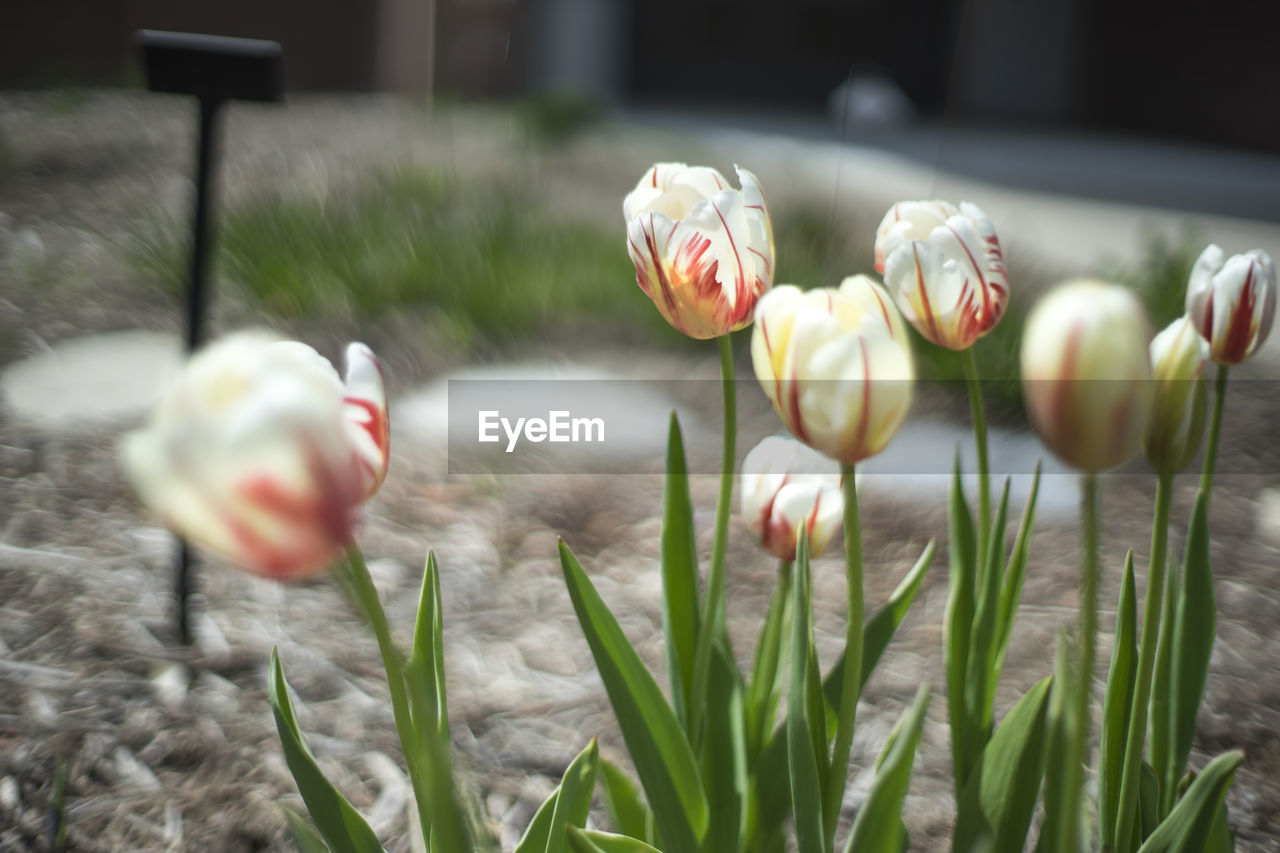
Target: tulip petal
759,224
651,187
703,251
787,486
1200,288
365,409
907,221
933,293
251,453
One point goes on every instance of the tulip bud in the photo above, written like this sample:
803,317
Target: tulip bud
703,251
836,365
944,267
259,452
1232,303
787,487
1086,373
1178,356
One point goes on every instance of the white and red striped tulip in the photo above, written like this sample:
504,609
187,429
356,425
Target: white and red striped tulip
703,251
1232,301
836,365
1086,373
1178,357
261,453
944,267
787,487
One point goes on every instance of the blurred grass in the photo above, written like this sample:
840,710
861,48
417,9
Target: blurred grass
491,262
553,118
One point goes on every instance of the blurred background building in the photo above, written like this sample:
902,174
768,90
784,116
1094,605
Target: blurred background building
1152,68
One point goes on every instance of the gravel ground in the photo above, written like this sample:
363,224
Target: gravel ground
172,748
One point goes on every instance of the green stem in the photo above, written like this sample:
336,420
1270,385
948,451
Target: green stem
1215,426
979,416
1137,733
851,683
365,596
1077,753
712,623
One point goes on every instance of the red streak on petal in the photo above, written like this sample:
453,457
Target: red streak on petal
379,429
812,521
768,267
741,283
793,415
664,285
775,533
1240,329
982,280
1060,396
934,334
884,309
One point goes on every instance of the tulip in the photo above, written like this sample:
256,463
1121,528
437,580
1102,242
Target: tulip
703,251
1178,357
787,487
836,365
1232,302
1086,373
260,453
944,267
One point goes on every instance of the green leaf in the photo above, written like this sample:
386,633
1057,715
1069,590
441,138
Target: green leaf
982,647
679,574
763,692
654,737
772,799
1193,635
342,827
1160,715
878,827
1221,838
879,630
724,757
802,762
1189,825
591,841
1011,587
425,669
958,625
996,806
574,800
1117,705
1148,805
770,787
304,833
1061,720
537,833
429,711
631,815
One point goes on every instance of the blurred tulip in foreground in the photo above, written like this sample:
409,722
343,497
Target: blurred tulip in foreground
260,452
786,487
944,267
836,365
703,251
1232,302
1086,373
1178,356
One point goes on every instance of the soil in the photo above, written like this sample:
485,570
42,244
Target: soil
165,747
